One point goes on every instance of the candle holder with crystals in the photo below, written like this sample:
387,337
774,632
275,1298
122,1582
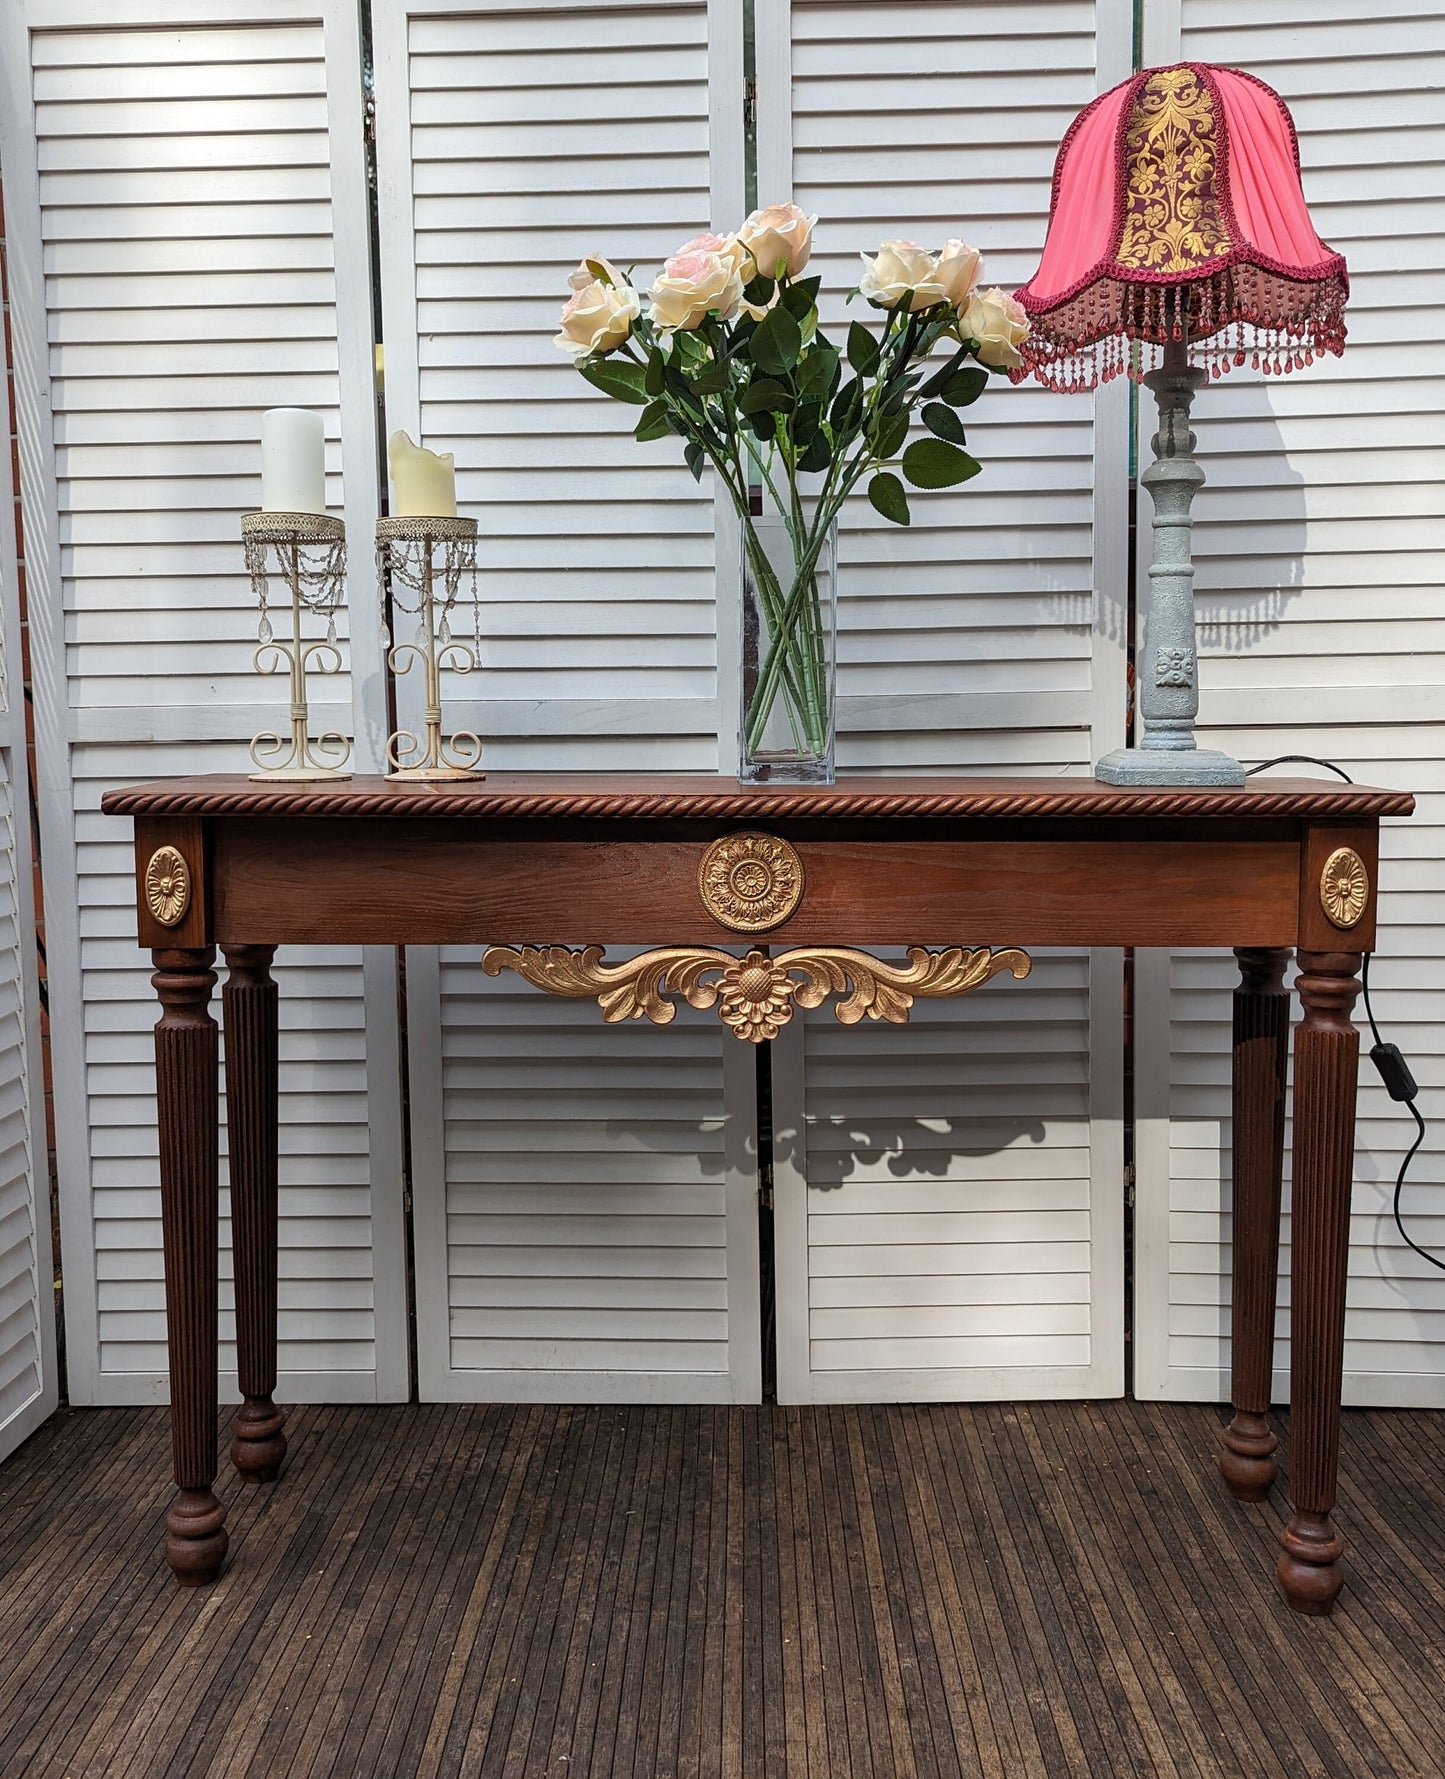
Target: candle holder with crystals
310,554
406,558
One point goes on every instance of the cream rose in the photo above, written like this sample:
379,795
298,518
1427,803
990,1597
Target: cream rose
693,284
959,269
901,266
594,269
780,235
998,323
598,317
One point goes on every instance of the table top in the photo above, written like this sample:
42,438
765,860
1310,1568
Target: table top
676,796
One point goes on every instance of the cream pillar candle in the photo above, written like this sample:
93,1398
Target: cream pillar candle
293,461
424,484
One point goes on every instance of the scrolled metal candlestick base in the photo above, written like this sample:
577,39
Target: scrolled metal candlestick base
405,558
319,587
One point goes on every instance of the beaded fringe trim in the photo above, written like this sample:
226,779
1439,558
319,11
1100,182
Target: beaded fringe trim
1240,314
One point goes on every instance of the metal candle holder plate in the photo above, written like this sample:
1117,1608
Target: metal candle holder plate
317,583
406,558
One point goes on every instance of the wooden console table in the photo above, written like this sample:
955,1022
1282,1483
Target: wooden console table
764,896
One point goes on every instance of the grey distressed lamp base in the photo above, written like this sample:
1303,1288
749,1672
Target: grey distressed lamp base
1162,766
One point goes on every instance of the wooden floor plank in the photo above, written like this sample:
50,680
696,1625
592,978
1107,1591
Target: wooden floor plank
986,1592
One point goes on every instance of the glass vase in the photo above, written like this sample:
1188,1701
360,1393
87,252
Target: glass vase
789,655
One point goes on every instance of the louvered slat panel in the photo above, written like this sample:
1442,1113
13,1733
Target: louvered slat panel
586,1221
948,1223
26,1391
184,209
1317,543
538,135
985,603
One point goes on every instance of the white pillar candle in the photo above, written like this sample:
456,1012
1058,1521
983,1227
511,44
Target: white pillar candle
424,484
293,461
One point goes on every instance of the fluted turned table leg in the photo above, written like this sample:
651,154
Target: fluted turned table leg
1261,1054
186,1092
1326,1059
258,1444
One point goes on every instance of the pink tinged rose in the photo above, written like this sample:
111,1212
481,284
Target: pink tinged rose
693,284
779,236
597,318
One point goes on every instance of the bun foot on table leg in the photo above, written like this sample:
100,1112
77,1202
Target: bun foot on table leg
196,1537
1247,1462
258,1446
1309,1568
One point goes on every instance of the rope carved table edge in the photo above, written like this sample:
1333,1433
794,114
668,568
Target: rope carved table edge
755,994
498,803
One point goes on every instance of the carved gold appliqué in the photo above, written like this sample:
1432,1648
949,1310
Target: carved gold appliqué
1344,887
750,882
1172,221
167,886
755,994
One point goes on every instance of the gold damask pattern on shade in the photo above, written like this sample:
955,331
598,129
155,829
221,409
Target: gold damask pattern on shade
1172,220
755,994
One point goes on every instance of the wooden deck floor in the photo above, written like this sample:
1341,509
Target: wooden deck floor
1055,1589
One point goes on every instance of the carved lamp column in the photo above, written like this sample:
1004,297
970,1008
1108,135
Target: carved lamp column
1178,231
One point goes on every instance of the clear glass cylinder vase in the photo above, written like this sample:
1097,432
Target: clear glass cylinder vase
789,655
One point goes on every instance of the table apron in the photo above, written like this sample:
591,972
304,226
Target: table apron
360,883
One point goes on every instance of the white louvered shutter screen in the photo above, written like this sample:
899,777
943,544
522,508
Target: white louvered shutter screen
585,1209
27,1306
1319,539
183,188
949,1206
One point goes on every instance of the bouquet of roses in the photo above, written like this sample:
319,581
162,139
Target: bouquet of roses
729,356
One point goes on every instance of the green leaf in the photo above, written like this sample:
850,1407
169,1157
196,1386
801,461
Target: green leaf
806,423
862,349
818,455
617,377
847,406
759,290
653,424
895,401
817,371
811,285
934,463
711,381
655,376
798,302
887,495
888,437
764,395
944,423
695,458
964,387
777,342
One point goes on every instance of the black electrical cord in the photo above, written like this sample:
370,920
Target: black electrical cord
1390,1065
1299,760
1394,1071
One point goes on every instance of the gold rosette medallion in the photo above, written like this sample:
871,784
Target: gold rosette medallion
750,882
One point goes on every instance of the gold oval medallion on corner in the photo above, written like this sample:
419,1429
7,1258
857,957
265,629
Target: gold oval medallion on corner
167,886
750,882
1344,887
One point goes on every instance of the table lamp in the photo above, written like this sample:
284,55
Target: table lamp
1179,247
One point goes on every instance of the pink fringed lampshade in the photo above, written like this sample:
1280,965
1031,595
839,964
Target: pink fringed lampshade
1177,214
